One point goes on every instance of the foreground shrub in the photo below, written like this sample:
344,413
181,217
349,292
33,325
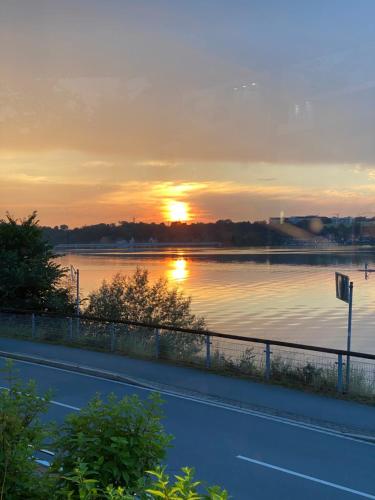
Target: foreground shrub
21,435
119,440
184,487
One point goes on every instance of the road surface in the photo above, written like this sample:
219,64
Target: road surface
254,456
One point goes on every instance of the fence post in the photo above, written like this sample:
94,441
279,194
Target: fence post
268,361
339,373
70,328
113,338
157,342
33,326
208,351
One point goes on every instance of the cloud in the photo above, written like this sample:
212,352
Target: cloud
97,163
158,163
27,179
266,179
80,202
146,83
112,111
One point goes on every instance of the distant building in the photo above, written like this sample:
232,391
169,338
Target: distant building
344,221
276,220
367,228
295,219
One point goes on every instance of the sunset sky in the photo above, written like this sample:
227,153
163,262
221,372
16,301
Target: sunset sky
191,109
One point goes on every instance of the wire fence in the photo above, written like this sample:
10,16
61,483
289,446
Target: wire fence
284,362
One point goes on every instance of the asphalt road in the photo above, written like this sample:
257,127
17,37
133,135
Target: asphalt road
255,457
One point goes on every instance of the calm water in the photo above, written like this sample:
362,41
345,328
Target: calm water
279,294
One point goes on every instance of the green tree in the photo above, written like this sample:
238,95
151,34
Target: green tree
29,276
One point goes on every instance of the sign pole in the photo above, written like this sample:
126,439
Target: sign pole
348,347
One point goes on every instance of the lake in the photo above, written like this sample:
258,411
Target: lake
284,294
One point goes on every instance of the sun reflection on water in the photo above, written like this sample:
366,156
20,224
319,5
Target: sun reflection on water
178,269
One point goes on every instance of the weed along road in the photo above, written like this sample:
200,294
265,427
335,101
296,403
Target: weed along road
254,456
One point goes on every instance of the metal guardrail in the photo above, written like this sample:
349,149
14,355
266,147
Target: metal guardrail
268,358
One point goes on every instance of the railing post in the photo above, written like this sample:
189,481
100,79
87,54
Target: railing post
268,362
33,326
113,338
70,328
339,373
208,351
157,342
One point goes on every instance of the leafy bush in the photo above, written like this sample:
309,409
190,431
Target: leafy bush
119,439
184,487
134,298
21,435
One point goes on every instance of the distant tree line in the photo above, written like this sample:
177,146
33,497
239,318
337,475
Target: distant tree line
225,232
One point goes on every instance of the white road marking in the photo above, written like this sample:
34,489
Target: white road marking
57,403
309,478
223,406
47,452
44,463
70,407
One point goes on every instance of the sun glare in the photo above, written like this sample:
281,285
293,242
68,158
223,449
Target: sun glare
177,211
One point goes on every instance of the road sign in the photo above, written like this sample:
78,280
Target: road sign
342,287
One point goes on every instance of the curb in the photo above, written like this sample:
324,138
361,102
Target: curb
75,368
116,377
361,437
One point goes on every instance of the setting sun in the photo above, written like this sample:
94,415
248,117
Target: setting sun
177,211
